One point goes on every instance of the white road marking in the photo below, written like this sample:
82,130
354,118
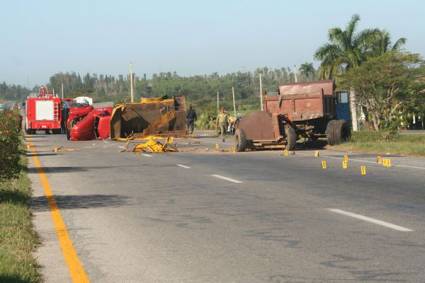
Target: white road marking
371,220
147,155
227,179
409,166
183,166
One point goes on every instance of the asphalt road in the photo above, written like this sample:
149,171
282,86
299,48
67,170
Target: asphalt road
230,217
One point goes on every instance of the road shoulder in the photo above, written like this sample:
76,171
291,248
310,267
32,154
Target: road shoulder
48,254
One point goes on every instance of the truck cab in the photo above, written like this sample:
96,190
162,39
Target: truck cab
43,112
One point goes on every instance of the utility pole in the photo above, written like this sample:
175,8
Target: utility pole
295,74
131,84
353,110
234,103
62,90
218,101
261,93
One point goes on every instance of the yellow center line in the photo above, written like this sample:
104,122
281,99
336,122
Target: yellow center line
76,269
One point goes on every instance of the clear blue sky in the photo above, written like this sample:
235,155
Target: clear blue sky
39,38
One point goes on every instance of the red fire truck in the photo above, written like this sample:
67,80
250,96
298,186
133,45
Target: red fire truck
43,112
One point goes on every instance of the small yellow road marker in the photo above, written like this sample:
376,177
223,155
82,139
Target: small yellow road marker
285,152
386,162
344,164
346,158
363,170
324,164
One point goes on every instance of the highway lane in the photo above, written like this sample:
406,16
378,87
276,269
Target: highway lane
255,217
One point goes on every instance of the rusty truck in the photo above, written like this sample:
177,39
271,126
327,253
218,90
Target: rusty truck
309,110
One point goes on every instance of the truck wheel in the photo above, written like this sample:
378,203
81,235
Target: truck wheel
337,131
68,129
241,143
291,137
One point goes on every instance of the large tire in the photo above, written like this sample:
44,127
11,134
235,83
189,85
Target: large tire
241,143
291,137
68,129
337,131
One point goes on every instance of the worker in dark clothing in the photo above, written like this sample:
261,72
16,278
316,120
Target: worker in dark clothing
190,119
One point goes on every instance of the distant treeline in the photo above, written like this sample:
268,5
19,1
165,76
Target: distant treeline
13,92
199,90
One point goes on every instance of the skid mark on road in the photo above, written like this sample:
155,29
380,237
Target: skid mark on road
76,269
227,179
371,220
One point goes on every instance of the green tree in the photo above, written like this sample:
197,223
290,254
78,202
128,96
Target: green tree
307,71
387,86
347,49
381,43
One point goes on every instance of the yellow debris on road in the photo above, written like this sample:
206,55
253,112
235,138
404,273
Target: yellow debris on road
153,145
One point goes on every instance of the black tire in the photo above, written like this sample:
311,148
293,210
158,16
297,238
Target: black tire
291,137
337,131
241,143
346,131
68,129
96,128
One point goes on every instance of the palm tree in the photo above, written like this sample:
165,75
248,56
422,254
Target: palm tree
346,49
307,70
382,43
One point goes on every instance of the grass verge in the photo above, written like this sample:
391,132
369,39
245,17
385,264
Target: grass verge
380,143
17,236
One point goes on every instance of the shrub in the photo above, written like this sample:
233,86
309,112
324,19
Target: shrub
10,142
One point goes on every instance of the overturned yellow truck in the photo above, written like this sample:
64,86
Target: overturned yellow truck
152,116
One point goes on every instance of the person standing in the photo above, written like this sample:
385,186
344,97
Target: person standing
191,118
221,123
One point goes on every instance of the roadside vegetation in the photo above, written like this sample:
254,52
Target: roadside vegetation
17,237
386,83
384,142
